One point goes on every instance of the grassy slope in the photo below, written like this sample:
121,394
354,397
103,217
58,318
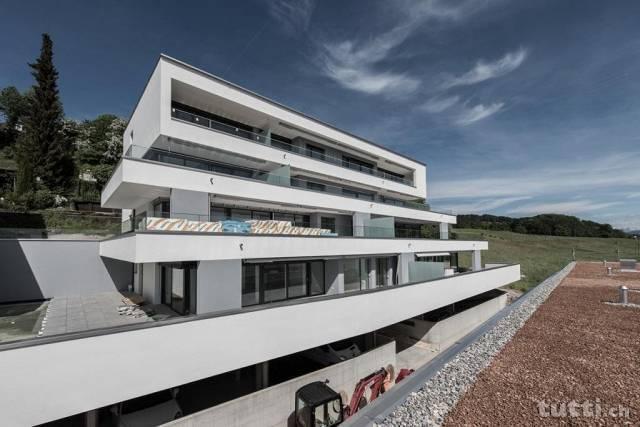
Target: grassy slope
540,256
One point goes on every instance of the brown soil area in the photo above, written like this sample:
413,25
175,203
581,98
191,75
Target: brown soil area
574,347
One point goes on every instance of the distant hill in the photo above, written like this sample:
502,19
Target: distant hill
546,224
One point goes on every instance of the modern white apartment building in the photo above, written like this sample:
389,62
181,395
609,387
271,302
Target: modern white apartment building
270,231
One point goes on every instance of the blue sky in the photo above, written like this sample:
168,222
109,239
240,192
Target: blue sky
517,108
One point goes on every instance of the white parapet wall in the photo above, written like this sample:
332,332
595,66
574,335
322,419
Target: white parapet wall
275,406
99,370
174,246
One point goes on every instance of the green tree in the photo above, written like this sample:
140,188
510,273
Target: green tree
93,139
44,126
13,108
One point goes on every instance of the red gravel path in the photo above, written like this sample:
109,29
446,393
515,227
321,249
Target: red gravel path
574,347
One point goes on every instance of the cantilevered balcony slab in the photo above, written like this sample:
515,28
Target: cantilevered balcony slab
89,366
137,180
173,246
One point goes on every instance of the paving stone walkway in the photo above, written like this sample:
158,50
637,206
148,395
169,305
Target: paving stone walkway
81,313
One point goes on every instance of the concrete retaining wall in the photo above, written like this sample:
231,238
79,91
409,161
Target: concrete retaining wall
34,269
447,331
274,406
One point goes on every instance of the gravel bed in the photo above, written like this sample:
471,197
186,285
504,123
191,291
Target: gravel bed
429,405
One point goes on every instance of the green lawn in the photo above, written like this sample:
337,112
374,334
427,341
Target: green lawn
540,256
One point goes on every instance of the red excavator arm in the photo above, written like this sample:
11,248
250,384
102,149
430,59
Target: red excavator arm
358,400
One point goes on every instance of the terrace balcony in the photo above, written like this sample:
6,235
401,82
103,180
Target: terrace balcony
264,139
281,176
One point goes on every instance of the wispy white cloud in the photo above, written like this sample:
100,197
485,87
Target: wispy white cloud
352,66
293,15
438,105
478,112
633,196
487,70
355,64
597,175
566,207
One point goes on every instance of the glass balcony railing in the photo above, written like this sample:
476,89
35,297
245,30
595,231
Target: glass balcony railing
261,138
188,222
179,159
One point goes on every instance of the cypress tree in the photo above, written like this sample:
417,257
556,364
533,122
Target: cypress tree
44,124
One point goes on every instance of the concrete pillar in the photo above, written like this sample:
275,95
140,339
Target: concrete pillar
262,375
192,205
403,267
151,282
267,136
476,260
315,220
218,284
444,231
360,220
91,418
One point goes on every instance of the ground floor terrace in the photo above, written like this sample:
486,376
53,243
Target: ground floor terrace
575,361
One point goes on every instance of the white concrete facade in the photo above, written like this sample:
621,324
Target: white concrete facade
101,370
355,275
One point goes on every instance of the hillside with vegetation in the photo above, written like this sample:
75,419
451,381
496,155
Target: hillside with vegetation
48,160
541,256
546,224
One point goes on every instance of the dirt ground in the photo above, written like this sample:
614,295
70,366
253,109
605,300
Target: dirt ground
575,362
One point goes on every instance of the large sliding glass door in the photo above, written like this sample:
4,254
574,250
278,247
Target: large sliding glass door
277,281
179,281
356,274
273,282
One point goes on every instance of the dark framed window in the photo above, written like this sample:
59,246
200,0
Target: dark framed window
328,223
357,164
302,220
280,216
316,152
162,208
179,286
281,142
316,186
270,282
273,281
240,214
260,215
394,176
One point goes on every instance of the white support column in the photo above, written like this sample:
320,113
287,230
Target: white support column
151,289
262,375
91,418
444,231
191,205
476,260
359,221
